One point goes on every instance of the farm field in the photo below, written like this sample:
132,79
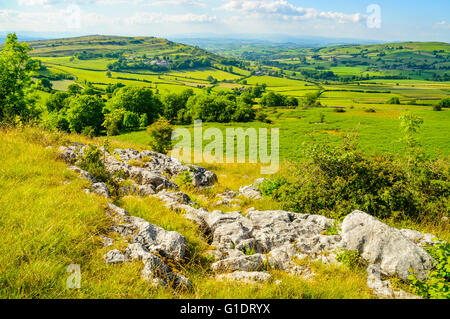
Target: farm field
363,130
378,132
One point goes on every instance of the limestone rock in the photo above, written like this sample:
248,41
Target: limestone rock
245,263
114,257
383,288
246,277
101,189
384,246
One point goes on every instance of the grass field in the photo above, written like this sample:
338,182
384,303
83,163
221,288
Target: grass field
63,224
378,132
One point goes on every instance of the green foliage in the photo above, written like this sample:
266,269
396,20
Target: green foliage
270,187
273,99
437,285
333,230
85,111
44,84
437,108
211,108
350,258
137,100
184,179
342,179
160,134
57,101
91,161
131,121
143,121
15,79
394,100
113,121
74,89
311,99
174,102
444,103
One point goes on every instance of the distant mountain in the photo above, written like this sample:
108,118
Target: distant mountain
35,36
210,40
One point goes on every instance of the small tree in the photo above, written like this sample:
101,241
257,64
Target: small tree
84,111
410,125
15,80
113,121
444,103
161,136
131,121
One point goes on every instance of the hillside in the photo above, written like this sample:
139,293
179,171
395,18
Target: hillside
418,60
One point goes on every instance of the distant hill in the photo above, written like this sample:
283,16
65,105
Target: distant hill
131,53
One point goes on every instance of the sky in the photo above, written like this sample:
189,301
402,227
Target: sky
382,20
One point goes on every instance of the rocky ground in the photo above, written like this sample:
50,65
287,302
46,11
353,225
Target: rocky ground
247,244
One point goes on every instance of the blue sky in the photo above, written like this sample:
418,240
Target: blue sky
399,20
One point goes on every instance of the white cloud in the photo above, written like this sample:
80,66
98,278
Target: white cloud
149,18
442,25
286,11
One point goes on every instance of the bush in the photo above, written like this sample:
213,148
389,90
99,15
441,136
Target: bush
184,179
137,100
143,121
271,187
349,258
161,136
131,121
15,79
85,111
57,101
444,103
437,285
113,121
91,162
437,107
342,179
394,100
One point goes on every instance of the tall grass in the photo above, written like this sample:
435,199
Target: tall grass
48,222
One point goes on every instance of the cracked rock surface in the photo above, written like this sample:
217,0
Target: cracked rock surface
151,244
247,244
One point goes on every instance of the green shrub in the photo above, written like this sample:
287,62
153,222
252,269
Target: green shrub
113,121
437,286
343,179
91,162
184,179
394,100
85,111
88,131
270,187
160,136
131,121
444,103
349,258
437,107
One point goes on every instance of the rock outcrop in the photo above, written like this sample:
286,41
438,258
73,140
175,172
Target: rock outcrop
383,288
246,245
151,244
151,172
384,246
